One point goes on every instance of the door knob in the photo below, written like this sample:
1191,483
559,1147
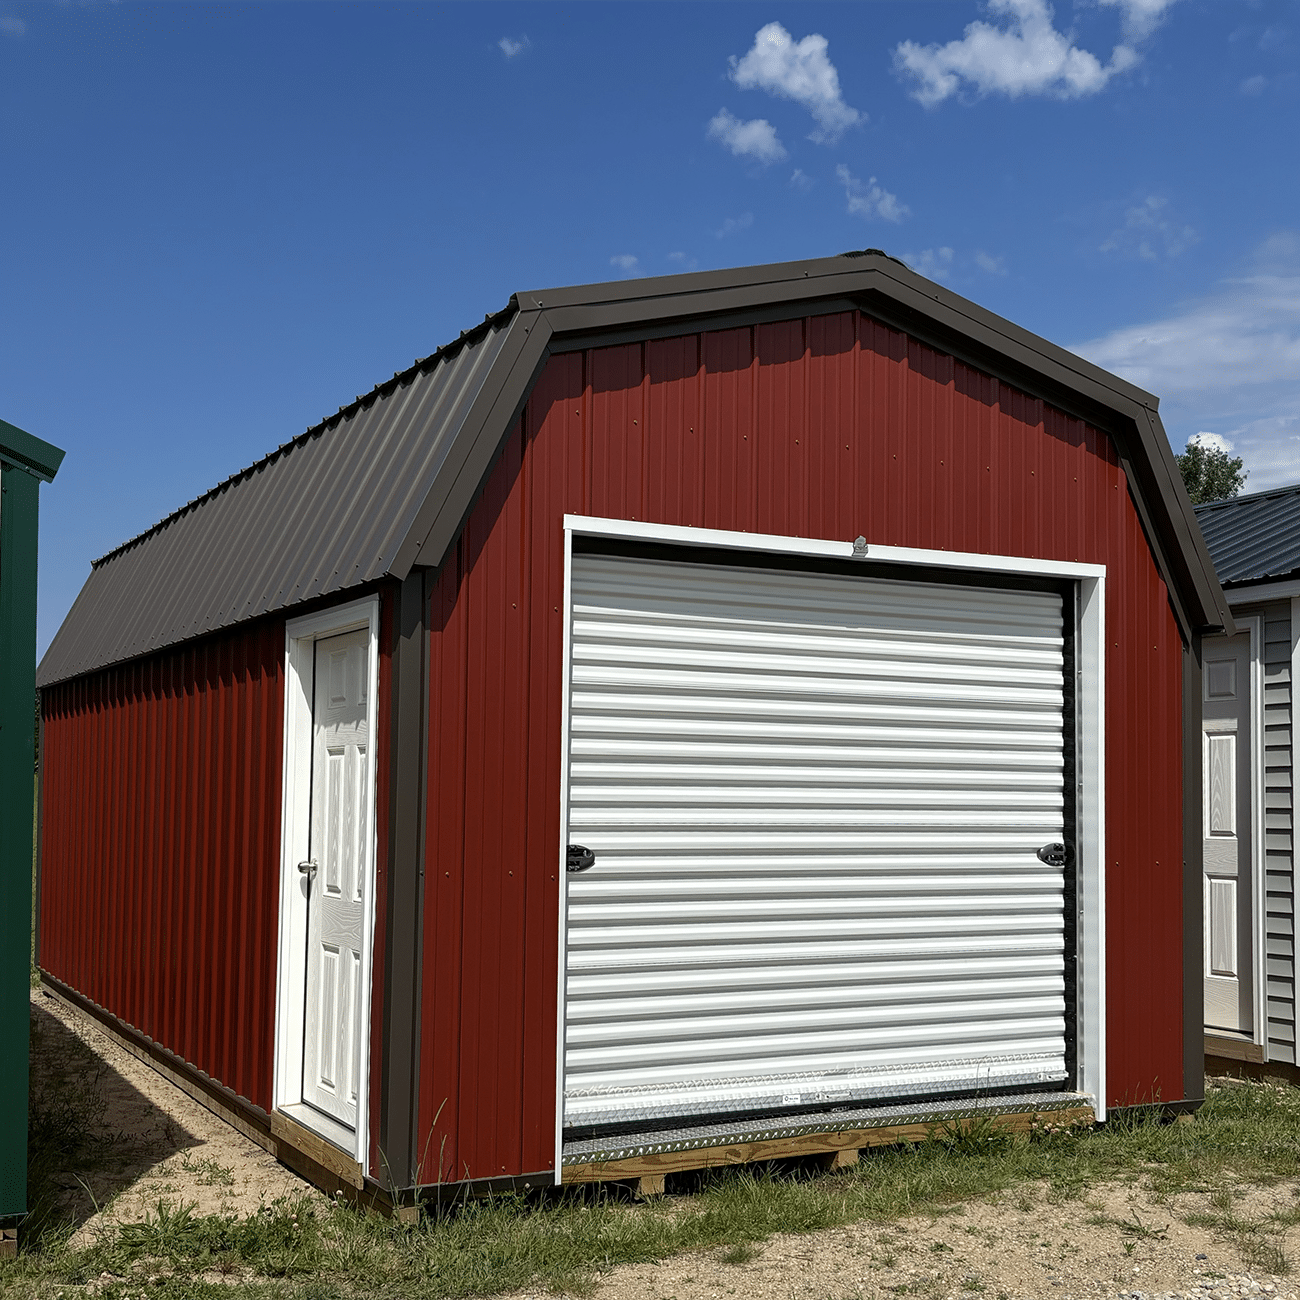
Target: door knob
308,868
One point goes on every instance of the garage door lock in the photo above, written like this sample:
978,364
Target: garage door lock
1055,855
579,858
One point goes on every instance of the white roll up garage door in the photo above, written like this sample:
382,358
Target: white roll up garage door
815,803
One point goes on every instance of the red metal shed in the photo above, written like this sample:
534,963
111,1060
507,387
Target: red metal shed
681,720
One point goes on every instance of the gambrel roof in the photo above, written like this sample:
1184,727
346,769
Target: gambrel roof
386,483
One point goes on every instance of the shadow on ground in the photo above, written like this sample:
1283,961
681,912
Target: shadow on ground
91,1133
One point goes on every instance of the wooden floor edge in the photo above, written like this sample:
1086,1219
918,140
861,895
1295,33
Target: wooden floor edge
1236,1066
807,1144
276,1134
1233,1049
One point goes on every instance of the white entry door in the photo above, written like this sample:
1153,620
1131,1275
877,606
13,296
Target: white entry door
1227,821
337,875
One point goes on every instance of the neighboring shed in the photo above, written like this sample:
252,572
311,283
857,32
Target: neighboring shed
25,462
1250,733
683,720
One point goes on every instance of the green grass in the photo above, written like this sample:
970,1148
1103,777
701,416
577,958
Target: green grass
298,1251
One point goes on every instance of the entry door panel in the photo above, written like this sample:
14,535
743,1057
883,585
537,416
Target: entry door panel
339,840
1229,984
815,803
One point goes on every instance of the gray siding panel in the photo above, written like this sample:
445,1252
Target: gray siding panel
1279,897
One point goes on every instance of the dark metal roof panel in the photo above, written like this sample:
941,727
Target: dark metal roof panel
1255,536
323,513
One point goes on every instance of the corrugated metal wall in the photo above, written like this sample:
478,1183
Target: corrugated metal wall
160,850
828,427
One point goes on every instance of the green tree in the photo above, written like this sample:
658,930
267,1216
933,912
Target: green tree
1209,473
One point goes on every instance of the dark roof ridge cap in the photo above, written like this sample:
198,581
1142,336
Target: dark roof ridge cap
1262,495
421,364
609,293
640,288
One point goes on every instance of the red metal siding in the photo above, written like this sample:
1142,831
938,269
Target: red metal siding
160,847
160,856
825,427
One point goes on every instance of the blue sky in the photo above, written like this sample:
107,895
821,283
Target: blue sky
222,222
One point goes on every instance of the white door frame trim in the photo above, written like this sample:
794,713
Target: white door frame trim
1090,805
1254,625
300,637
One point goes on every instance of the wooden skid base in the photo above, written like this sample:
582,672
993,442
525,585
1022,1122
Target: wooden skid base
840,1149
9,1242
1233,1049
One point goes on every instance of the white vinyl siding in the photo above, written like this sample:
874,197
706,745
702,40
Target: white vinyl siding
815,802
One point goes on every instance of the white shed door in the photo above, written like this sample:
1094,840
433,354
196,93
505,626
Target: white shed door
815,803
1226,852
339,800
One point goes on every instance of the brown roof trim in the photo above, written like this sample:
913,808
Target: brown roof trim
442,423
553,320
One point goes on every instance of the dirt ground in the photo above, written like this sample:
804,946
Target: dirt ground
1115,1242
166,1145
1021,1247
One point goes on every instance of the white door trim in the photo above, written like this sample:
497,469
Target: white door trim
300,639
1090,805
1254,624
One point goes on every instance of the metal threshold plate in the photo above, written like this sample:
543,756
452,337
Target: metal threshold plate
629,1146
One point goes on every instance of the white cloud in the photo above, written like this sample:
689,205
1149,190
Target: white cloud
1026,57
1150,233
628,263
801,180
511,47
733,224
12,25
987,262
680,259
754,139
1230,359
1254,85
1139,18
797,70
1211,442
933,263
871,199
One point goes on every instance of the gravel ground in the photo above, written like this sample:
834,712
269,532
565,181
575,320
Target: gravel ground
1114,1242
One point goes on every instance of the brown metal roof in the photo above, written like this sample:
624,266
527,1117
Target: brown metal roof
321,514
386,484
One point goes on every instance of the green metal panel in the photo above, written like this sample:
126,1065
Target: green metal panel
24,461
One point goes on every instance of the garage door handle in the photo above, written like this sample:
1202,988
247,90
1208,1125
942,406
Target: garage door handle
579,858
1055,855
